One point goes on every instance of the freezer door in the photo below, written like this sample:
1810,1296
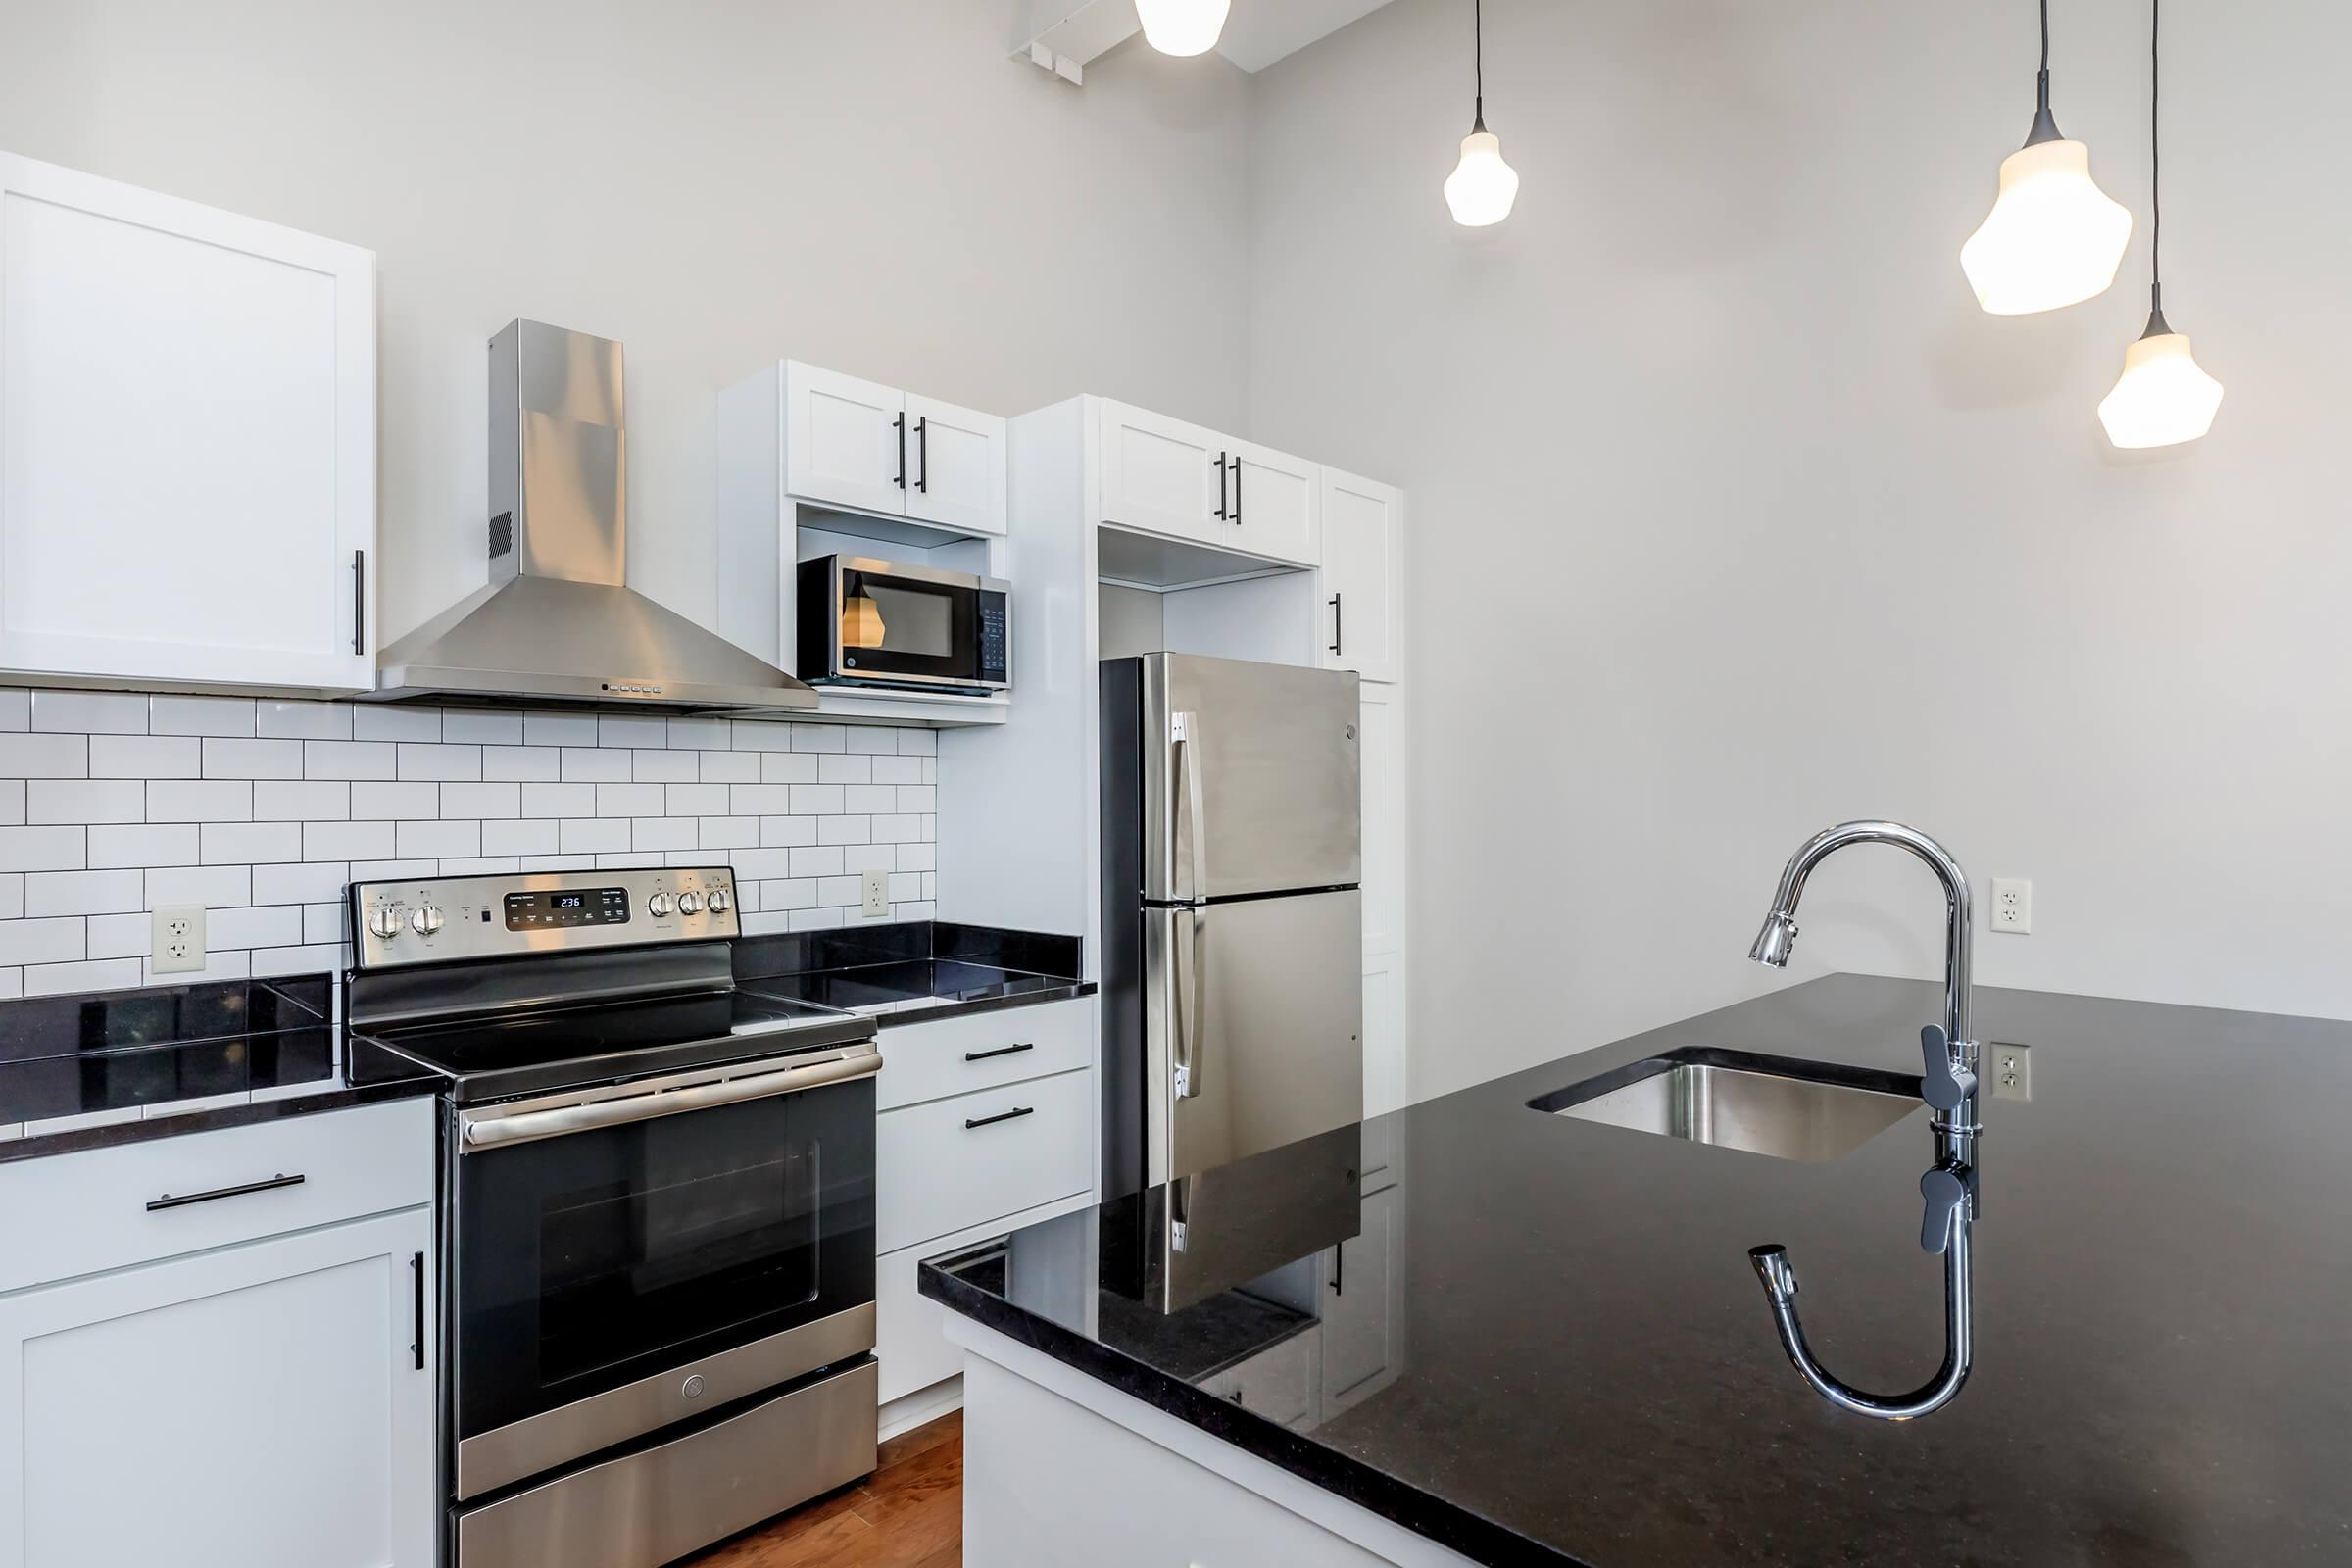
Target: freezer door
1250,778
1256,1035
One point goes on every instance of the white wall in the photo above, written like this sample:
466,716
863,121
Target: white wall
1732,516
869,184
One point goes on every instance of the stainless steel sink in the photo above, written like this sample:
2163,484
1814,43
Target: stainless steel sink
1763,1104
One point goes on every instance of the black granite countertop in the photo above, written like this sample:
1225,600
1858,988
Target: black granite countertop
913,972
1582,1369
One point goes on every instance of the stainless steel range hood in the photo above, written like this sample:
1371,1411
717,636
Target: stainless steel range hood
557,625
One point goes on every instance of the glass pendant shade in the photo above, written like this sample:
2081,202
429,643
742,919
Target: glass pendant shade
2053,237
1182,27
2163,397
1482,187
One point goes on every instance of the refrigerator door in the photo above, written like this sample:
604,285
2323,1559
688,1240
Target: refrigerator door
1209,1233
1256,1035
1250,778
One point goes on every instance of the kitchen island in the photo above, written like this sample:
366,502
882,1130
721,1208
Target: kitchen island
1539,1338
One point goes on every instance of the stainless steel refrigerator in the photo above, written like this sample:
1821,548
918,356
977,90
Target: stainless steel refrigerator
1232,932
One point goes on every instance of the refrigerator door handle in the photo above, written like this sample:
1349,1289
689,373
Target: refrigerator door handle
1190,974
1184,734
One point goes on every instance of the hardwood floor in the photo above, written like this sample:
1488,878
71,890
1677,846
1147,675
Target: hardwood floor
907,1514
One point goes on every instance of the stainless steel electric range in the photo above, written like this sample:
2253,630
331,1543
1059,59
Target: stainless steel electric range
658,1218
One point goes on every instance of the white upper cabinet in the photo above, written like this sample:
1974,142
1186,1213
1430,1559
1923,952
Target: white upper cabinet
1276,507
1163,476
958,474
1363,578
874,448
1184,481
187,441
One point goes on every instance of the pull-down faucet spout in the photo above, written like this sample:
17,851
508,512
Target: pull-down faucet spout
1947,1083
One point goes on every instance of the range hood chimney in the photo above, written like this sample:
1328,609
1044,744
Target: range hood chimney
557,625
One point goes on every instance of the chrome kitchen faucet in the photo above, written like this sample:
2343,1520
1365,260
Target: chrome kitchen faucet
1947,1083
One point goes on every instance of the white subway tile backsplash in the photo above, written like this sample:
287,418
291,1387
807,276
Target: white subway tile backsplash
42,849
51,801
915,742
200,716
90,713
166,844
303,722
263,810
143,757
48,893
378,722
62,979
25,756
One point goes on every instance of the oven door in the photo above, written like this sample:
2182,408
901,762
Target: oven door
894,625
647,1252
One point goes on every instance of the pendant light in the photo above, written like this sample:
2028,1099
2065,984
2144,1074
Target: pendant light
2163,398
1482,186
2053,237
1182,27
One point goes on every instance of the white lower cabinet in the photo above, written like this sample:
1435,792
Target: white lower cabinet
267,1401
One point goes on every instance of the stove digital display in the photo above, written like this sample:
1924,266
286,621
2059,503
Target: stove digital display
540,911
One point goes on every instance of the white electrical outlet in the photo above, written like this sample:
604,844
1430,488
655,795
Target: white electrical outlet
2012,904
877,893
178,946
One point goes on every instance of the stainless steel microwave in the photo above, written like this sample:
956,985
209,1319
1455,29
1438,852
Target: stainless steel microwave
870,622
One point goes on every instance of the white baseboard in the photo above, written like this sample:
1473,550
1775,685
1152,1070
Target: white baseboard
910,1410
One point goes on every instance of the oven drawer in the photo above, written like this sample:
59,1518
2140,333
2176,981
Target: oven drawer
83,1213
953,1163
956,1056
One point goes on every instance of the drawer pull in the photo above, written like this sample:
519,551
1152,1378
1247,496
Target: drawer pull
185,1199
1000,1051
1002,1115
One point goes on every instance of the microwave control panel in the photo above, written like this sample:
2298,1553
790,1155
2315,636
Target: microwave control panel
993,659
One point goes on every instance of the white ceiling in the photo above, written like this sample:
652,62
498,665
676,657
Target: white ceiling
1259,33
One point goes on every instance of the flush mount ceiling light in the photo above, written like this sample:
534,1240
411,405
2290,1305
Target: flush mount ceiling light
1482,186
2163,398
2053,237
1182,27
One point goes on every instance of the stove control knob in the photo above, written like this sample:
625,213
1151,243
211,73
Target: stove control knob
385,921
690,903
718,901
658,906
426,920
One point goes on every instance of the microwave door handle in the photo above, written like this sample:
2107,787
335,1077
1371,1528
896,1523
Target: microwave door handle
1191,987
1183,735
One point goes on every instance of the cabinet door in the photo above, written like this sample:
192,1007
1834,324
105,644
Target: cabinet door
1165,476
957,467
187,440
269,1399
1361,1300
1276,507
845,442
1363,578
1385,1084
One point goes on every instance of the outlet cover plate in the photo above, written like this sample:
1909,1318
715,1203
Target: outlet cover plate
179,944
2012,1069
877,893
2013,905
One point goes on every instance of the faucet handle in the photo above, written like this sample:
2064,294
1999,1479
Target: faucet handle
1945,1191
1942,1082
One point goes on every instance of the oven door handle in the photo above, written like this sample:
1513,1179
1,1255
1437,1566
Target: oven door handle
493,1129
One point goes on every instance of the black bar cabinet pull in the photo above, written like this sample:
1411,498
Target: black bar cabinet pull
1236,489
922,450
1000,1051
185,1199
900,478
1339,1270
1335,637
416,1279
1002,1115
359,600
1220,487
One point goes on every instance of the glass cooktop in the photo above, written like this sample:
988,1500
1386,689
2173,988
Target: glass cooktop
561,1048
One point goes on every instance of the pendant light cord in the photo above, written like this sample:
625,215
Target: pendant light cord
2155,154
2045,37
1478,57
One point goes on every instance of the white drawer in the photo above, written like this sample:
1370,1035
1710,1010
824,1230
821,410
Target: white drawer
956,1056
908,1340
82,1214
951,1163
